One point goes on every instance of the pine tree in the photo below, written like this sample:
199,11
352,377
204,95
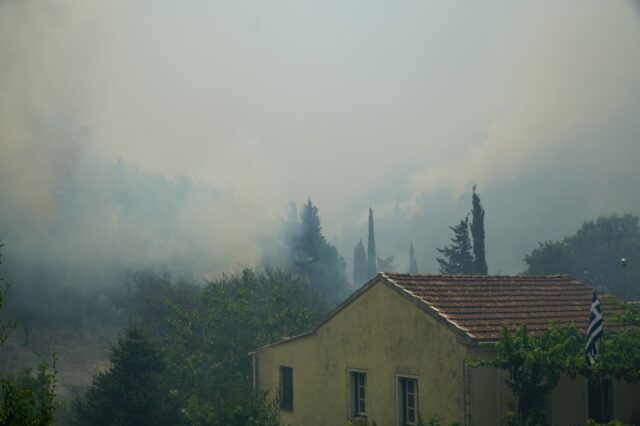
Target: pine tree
309,238
457,257
359,264
477,233
317,260
130,391
413,263
372,268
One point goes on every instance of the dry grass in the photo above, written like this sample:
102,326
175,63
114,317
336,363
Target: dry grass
80,354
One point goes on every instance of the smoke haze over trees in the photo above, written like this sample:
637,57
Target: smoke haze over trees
307,254
94,162
372,258
593,254
359,264
135,164
413,263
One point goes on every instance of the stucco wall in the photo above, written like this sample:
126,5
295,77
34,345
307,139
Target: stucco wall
380,332
569,400
385,334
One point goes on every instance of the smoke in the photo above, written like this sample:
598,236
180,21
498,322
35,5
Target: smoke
147,133
66,206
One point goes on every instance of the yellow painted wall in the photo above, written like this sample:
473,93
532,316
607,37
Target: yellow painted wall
385,334
568,402
626,405
380,332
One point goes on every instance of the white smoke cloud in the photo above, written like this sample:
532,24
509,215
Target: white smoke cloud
387,104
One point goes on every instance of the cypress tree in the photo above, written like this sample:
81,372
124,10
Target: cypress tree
359,264
413,263
457,257
371,249
477,234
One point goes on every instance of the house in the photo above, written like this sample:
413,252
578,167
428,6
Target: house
400,345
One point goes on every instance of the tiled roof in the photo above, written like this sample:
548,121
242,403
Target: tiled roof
479,305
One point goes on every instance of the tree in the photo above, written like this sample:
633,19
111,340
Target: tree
5,328
477,233
206,349
457,256
317,260
25,399
372,268
534,365
593,253
359,264
413,263
534,362
29,400
130,392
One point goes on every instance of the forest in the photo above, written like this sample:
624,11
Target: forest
178,351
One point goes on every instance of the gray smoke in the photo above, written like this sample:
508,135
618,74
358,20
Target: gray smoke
149,133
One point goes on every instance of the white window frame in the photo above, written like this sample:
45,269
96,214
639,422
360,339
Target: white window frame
399,407
352,404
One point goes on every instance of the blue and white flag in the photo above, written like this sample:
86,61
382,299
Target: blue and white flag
594,331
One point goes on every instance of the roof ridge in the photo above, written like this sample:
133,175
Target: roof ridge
465,277
477,305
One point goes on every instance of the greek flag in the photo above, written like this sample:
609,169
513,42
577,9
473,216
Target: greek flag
594,331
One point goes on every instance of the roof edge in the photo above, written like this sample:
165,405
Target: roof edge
342,305
429,309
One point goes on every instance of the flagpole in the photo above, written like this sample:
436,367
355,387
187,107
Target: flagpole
602,383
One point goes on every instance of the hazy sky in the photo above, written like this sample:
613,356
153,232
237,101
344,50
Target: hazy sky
401,105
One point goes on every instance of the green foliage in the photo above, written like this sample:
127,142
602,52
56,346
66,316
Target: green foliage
361,422
534,364
620,351
5,328
130,392
435,421
477,233
359,264
26,400
317,260
413,263
593,254
147,296
207,347
372,267
457,256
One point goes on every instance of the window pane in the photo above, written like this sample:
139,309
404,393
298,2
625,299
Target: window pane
407,401
286,388
357,384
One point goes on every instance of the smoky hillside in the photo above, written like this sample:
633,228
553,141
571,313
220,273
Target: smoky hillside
189,181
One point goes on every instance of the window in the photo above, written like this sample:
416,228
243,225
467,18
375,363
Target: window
357,393
407,401
286,388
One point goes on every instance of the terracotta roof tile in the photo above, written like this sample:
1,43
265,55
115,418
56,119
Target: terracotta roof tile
479,305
